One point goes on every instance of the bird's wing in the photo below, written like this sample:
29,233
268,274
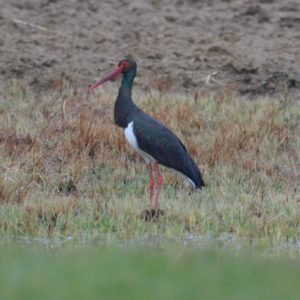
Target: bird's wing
160,142
164,146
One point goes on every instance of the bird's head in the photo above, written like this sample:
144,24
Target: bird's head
125,66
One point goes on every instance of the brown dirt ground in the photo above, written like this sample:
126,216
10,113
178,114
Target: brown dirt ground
253,45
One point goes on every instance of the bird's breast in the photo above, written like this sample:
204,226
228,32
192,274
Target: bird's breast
130,135
132,140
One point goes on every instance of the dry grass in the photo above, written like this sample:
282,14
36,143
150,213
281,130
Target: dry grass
67,169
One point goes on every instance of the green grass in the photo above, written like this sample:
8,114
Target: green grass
66,169
69,181
102,272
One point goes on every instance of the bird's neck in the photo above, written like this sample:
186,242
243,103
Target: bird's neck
127,82
124,106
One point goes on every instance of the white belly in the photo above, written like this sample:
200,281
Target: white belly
131,138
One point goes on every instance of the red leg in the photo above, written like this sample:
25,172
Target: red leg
159,180
151,183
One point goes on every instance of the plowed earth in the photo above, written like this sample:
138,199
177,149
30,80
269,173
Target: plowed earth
254,46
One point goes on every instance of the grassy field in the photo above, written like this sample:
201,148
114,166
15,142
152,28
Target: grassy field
72,193
67,170
111,273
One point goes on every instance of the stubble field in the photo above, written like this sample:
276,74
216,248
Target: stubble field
72,191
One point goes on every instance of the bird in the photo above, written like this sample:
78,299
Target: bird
157,144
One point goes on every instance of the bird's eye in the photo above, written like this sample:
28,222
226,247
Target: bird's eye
123,64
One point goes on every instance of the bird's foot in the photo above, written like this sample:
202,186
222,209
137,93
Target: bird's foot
152,214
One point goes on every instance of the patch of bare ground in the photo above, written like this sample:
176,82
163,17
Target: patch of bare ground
252,45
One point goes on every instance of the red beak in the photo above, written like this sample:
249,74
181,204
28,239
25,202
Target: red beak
109,76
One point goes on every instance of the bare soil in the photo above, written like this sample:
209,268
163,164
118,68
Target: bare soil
253,45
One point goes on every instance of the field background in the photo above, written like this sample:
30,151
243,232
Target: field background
253,45
69,180
72,191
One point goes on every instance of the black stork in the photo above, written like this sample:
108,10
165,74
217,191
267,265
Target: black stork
156,143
